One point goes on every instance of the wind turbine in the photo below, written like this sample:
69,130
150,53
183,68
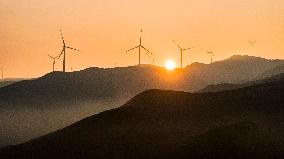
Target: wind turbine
139,48
252,43
2,73
181,51
53,63
64,47
153,61
211,54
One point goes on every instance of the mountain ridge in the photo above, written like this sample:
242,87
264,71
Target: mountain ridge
64,98
163,124
228,86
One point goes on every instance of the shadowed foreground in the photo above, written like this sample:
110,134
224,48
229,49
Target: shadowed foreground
241,123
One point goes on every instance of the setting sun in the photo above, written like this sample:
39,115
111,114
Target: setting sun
170,65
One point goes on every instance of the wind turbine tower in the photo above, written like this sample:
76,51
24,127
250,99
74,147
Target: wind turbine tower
181,52
2,73
139,49
64,47
211,55
53,63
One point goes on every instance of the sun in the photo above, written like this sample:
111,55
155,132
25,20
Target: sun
170,65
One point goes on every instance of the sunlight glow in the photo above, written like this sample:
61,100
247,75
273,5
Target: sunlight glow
170,65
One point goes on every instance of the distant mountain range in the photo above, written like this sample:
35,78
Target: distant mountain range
228,86
241,123
272,72
60,99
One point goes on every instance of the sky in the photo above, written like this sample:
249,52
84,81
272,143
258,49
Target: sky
105,29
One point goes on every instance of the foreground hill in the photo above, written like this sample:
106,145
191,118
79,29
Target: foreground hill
60,99
241,123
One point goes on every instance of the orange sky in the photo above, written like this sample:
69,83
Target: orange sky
104,29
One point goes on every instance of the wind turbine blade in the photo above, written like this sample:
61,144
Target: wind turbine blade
211,53
52,57
177,44
60,54
190,48
146,49
132,49
72,48
62,36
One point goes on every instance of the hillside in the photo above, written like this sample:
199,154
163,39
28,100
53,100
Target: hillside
235,69
228,86
241,123
112,82
9,81
272,72
60,99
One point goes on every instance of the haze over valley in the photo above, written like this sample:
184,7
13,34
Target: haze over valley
141,79
60,99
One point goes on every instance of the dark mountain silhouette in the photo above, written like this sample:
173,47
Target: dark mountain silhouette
221,87
60,99
240,140
228,86
241,123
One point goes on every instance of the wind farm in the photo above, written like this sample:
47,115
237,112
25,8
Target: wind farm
216,91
